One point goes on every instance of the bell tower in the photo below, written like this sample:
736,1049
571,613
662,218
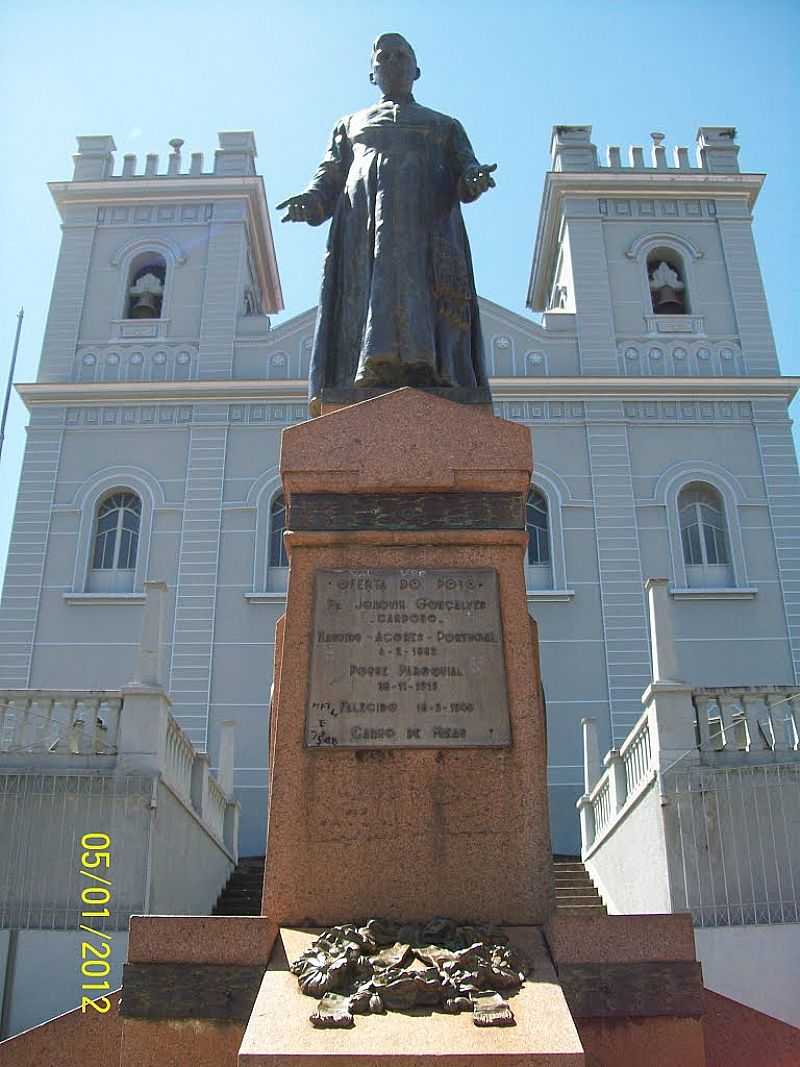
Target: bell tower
158,268
164,278
655,257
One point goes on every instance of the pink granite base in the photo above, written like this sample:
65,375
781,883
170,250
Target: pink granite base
399,832
74,1039
176,1043
279,1033
220,939
576,938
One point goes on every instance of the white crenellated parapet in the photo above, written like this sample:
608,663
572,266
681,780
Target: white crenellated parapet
717,150
94,160
571,149
235,157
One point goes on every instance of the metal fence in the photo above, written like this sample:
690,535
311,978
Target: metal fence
42,820
733,834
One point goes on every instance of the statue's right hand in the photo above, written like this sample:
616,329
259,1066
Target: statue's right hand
301,208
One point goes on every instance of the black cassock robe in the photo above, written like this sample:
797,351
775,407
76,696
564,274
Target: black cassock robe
398,301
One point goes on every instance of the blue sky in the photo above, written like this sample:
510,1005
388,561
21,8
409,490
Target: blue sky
150,71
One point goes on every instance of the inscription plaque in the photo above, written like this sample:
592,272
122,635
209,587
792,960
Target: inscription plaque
404,658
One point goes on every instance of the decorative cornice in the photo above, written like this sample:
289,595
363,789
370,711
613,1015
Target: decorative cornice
629,388
259,390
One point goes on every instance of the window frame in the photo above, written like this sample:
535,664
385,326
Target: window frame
668,489
707,573
122,259
647,244
274,508
86,502
269,582
665,253
119,529
132,269
701,521
556,496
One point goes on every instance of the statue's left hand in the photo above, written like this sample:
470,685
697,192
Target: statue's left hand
478,178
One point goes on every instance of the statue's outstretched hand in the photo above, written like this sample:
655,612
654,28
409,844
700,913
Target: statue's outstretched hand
304,207
478,178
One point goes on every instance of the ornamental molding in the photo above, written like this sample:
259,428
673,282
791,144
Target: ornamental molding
646,242
135,245
533,390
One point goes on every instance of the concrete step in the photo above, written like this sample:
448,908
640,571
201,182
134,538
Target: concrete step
242,893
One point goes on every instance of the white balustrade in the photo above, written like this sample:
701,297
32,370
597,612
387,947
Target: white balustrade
179,756
214,815
628,770
63,731
747,719
601,804
636,754
59,722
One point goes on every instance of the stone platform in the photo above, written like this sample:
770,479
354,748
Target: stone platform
408,487
279,1033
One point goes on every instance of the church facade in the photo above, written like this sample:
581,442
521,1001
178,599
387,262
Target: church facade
651,387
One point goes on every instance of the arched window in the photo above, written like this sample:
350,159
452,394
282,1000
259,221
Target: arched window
536,525
146,281
116,542
704,536
666,276
539,568
277,524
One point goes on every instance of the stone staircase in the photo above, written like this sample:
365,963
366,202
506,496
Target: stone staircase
242,892
575,890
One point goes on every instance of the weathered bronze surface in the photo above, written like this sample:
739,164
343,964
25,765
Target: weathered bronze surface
398,303
387,965
407,659
407,511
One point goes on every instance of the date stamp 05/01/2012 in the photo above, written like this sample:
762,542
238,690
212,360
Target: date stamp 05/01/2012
95,900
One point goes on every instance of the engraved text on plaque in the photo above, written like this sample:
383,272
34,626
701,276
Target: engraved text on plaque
408,659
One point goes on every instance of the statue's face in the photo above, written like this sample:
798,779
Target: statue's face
394,68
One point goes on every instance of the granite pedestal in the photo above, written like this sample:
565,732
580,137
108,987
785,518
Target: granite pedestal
395,829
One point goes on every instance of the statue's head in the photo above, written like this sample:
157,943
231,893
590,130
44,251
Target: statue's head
394,64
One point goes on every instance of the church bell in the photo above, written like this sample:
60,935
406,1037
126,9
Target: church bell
667,301
145,307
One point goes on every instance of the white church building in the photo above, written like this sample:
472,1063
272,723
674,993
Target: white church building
651,387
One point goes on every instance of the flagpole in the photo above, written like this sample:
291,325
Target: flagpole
20,316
